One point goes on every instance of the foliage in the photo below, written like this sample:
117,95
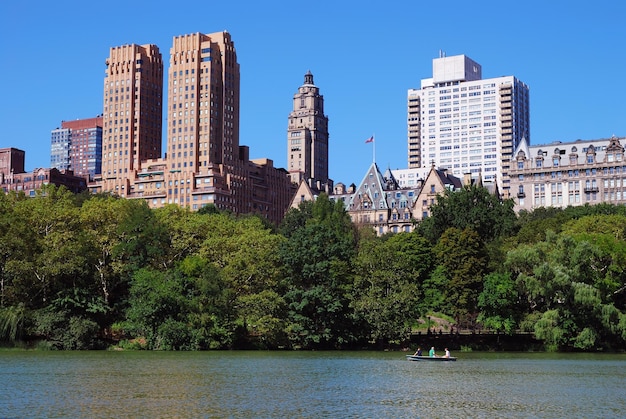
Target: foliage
387,295
317,261
463,261
473,207
498,303
77,271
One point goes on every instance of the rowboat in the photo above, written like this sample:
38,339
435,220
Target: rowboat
429,358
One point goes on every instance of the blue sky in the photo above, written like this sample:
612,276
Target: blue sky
364,56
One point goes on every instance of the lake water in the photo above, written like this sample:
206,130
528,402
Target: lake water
112,384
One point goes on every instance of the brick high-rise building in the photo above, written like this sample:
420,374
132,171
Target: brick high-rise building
203,121
132,117
461,122
204,163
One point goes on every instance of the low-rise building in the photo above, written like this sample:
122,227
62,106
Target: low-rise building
562,174
14,178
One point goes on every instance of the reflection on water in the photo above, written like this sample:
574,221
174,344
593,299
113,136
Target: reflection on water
308,385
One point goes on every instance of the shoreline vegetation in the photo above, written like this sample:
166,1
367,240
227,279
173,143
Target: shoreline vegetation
100,272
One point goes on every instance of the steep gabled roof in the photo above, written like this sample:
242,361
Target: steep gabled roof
303,193
370,190
448,180
522,146
391,184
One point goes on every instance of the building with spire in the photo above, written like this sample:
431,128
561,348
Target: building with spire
466,124
307,137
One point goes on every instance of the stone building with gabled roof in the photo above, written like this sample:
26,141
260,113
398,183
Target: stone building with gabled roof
379,201
436,182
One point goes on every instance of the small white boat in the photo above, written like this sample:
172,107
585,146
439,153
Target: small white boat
429,358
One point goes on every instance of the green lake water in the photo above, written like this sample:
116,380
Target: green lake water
121,384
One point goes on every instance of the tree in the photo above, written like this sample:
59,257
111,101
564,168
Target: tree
462,256
388,278
246,252
49,254
317,260
472,207
563,280
498,303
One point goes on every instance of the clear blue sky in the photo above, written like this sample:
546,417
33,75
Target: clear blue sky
364,56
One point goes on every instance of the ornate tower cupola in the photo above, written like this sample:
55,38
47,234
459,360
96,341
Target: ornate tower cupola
307,137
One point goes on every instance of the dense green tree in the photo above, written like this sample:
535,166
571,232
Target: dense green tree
317,261
564,283
472,207
388,278
462,256
157,303
143,239
100,219
50,252
246,252
211,315
498,303
186,231
296,218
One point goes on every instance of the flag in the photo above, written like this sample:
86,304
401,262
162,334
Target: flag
370,140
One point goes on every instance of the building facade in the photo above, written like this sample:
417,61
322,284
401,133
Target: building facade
381,202
60,145
204,163
569,174
132,114
14,178
77,146
307,137
466,124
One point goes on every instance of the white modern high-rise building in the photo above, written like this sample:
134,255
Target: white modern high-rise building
461,122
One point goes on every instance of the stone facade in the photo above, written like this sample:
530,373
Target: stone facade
569,174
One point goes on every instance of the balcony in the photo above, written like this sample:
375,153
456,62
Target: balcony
521,195
591,189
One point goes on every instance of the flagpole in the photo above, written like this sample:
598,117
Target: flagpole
374,148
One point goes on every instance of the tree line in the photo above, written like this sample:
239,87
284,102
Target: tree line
89,271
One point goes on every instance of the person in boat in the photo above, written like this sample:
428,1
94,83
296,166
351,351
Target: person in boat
418,352
432,353
447,355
